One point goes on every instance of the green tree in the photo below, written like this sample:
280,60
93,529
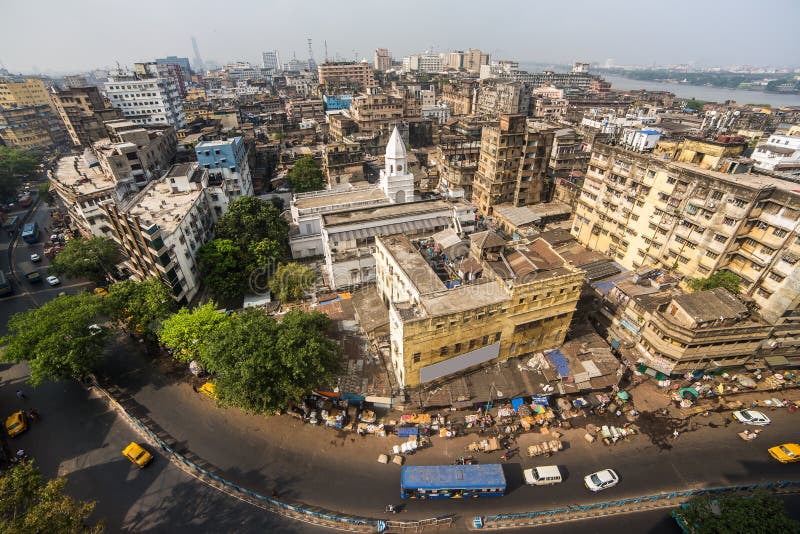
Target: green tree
250,219
265,253
29,505
306,175
93,258
261,364
291,281
737,514
14,164
140,305
55,339
726,279
224,268
188,331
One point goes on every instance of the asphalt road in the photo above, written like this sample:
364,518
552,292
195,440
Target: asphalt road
339,471
80,438
27,295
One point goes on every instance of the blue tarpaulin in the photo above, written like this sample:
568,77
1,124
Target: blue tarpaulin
516,403
407,431
604,288
540,399
559,362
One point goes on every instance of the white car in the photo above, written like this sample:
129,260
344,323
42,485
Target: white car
601,480
35,258
53,280
750,417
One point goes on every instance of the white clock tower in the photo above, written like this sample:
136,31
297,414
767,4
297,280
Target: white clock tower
397,182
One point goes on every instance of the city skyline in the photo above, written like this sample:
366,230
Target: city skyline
620,31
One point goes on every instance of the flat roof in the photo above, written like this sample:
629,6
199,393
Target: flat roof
218,142
433,477
413,264
383,212
74,173
156,204
331,198
753,180
464,297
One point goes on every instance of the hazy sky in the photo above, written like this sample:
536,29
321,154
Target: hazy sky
75,35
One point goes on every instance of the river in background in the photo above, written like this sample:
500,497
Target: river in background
709,94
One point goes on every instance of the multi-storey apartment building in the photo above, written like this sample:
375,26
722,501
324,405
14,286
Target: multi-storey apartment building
161,229
149,95
498,302
299,109
31,128
24,92
513,163
342,77
132,156
383,61
226,162
460,96
497,97
374,110
646,210
82,186
780,153
83,111
458,163
473,59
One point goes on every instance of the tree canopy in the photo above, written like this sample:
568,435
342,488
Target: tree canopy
140,305
250,219
28,504
291,281
252,237
55,338
188,331
306,175
93,258
737,514
726,279
14,164
261,364
223,266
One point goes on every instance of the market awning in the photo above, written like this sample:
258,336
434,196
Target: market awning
516,403
690,391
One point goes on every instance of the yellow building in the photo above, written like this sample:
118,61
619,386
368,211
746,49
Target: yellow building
500,301
24,93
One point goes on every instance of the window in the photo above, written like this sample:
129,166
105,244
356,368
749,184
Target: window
497,337
472,344
458,347
739,203
775,276
720,238
780,232
416,357
443,351
485,340
712,255
716,195
728,221
763,293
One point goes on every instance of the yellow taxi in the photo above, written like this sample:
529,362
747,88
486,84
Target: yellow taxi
100,292
16,423
788,452
209,389
137,454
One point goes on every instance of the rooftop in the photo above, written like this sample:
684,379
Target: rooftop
219,142
157,204
705,306
384,212
320,199
74,173
413,264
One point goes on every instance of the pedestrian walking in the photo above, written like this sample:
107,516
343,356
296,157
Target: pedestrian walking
21,395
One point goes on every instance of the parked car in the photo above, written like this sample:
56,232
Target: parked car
35,258
100,292
543,475
601,480
786,453
209,389
751,417
16,423
53,280
137,454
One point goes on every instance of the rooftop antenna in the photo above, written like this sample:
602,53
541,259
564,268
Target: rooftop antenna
355,55
310,50
326,50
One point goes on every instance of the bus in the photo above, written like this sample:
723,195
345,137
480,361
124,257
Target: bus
5,285
452,481
30,232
